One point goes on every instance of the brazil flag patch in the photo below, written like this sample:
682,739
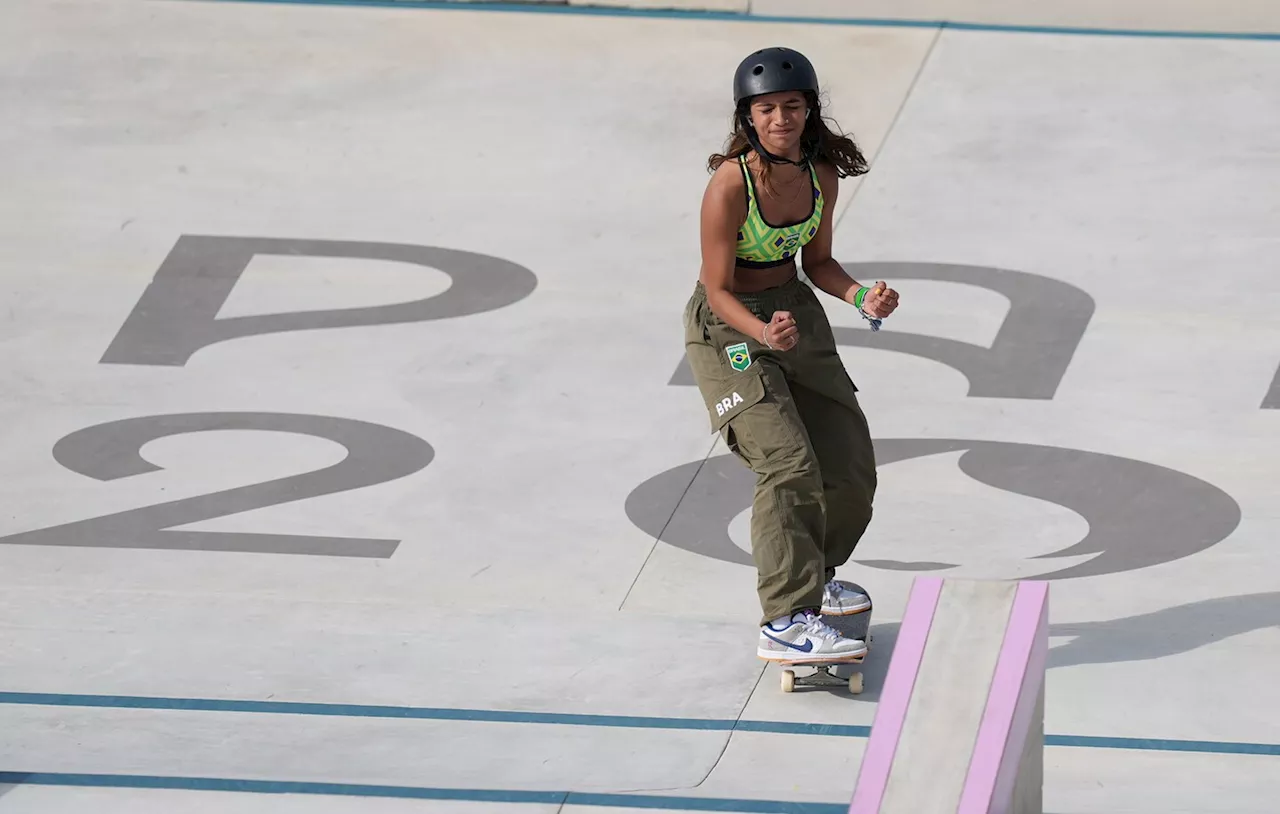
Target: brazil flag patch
739,356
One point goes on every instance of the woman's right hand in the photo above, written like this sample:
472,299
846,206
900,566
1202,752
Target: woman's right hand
780,332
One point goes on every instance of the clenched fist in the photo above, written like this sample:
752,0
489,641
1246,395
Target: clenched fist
780,333
880,301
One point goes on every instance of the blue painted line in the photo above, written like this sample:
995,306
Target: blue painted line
421,793
1009,28
576,719
739,17
1164,745
430,713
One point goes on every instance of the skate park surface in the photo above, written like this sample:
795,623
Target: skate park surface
351,463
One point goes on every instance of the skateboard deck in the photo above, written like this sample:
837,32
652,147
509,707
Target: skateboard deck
853,626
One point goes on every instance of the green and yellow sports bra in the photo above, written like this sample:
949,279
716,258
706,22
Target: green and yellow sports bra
763,245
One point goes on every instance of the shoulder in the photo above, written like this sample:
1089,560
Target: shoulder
828,177
727,178
727,188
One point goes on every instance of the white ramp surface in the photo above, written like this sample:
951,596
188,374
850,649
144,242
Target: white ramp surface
349,464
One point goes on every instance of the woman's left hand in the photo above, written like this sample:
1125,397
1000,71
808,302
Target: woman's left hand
880,301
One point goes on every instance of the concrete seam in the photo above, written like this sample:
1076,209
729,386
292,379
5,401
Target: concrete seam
737,719
658,537
928,54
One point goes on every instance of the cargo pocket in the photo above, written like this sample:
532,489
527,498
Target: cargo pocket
740,393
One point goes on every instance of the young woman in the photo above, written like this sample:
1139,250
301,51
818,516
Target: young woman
762,351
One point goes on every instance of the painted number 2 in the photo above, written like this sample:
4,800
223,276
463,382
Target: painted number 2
375,454
177,316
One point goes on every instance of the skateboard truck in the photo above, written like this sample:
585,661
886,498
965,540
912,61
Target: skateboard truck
822,676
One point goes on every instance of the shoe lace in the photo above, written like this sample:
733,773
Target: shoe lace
817,627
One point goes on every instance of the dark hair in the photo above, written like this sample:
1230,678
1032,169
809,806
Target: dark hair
818,142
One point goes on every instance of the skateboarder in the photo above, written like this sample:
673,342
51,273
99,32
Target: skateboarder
764,358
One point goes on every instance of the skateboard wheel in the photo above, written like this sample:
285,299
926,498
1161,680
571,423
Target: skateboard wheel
855,683
788,680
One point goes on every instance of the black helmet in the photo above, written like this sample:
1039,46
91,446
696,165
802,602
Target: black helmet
770,70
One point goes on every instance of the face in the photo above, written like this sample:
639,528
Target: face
779,119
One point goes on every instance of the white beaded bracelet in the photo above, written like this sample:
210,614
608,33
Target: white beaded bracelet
764,337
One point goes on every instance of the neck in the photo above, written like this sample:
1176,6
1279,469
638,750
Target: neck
793,153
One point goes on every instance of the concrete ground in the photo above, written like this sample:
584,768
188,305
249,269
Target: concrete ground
350,463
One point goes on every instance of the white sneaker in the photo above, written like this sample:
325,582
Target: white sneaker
805,637
838,599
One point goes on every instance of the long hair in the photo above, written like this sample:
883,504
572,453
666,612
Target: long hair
818,142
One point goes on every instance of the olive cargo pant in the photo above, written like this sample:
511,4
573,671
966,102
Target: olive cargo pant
793,418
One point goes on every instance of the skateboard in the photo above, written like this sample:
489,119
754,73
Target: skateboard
853,626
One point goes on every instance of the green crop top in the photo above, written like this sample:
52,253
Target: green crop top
762,244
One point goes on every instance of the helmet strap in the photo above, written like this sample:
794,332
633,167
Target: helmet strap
805,155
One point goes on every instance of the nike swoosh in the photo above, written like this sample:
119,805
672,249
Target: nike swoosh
808,643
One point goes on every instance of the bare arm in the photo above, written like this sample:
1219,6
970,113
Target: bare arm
724,209
820,267
823,269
